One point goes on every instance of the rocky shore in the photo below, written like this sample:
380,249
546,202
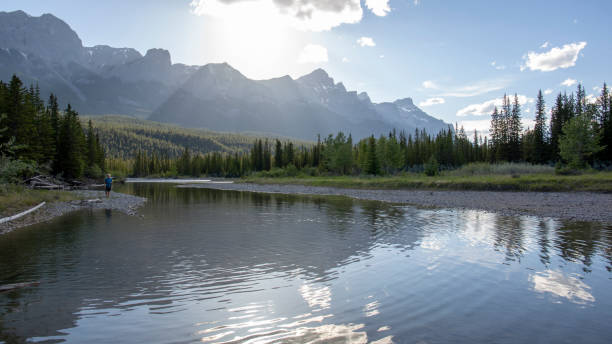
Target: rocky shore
91,200
575,206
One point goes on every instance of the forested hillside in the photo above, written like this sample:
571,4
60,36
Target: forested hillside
122,137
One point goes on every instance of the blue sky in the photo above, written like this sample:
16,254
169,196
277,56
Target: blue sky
454,58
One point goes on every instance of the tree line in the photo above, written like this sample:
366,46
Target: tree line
579,134
39,137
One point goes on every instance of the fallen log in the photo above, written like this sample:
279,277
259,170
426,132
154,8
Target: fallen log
48,187
9,287
16,216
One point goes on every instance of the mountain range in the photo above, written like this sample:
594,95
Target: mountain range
105,80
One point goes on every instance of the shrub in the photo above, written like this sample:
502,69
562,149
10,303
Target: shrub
513,169
15,171
432,168
94,171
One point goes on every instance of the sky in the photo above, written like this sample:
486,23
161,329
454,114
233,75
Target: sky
455,59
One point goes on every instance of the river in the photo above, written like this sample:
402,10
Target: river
200,265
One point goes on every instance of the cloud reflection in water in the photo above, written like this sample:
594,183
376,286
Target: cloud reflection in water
558,284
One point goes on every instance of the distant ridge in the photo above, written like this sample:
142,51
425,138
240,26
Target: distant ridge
101,79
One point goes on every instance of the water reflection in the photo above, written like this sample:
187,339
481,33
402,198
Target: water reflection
235,267
568,287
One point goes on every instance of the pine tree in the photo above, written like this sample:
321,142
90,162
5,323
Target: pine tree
580,140
289,155
580,105
514,131
495,141
372,165
605,124
539,131
556,125
278,154
71,145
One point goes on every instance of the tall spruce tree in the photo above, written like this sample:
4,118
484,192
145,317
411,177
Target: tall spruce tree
556,125
372,165
605,124
71,145
514,131
540,136
278,154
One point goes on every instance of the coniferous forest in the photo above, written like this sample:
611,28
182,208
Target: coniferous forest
38,136
578,135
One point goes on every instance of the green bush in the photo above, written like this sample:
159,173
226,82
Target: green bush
565,170
15,171
432,168
512,169
94,171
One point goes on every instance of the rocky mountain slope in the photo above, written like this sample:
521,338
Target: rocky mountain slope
101,80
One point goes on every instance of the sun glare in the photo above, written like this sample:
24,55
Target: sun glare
254,38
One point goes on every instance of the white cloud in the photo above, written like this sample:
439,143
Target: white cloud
591,98
381,56
432,101
306,15
548,91
545,45
345,60
569,82
555,58
475,89
486,108
366,42
482,126
527,110
596,88
430,84
378,7
313,53
496,66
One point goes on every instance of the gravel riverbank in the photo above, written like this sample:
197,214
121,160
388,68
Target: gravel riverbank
91,200
575,206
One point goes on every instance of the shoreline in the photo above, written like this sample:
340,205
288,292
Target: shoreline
125,203
573,206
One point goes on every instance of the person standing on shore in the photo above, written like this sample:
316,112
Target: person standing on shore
109,183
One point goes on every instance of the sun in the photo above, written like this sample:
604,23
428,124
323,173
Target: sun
254,38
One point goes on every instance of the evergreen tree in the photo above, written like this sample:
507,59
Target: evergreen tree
289,155
605,124
514,131
540,146
495,132
278,154
71,145
372,165
580,140
556,126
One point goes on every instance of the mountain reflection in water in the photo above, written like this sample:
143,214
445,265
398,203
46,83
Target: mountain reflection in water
234,267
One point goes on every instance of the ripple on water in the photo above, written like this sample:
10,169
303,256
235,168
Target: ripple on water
227,267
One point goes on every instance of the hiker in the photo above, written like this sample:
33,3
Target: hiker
109,183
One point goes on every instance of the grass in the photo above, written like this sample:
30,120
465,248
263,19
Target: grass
593,182
16,198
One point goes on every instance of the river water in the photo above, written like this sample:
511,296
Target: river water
215,266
